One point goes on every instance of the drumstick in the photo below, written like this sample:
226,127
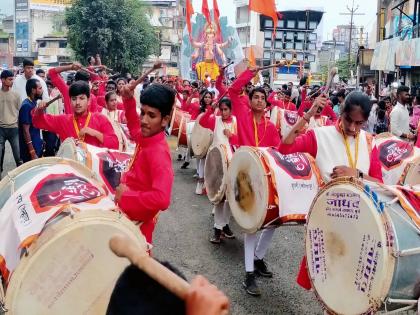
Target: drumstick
331,75
52,100
224,67
124,247
277,64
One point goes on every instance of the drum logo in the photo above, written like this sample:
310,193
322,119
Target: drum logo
60,189
291,117
392,153
297,165
111,166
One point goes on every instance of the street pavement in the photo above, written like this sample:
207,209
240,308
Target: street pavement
182,238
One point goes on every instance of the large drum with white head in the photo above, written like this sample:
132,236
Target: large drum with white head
399,160
107,164
201,139
266,188
215,172
284,120
177,119
363,247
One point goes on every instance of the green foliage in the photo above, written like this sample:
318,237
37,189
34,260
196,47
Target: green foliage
344,68
118,30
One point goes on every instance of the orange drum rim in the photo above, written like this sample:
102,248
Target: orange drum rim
18,285
409,176
388,260
252,219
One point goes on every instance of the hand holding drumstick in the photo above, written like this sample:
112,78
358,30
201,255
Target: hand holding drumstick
201,297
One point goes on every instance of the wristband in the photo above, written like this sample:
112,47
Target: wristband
29,142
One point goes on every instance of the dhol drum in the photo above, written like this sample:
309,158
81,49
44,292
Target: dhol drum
215,172
185,131
37,191
201,139
284,120
363,248
107,164
398,159
266,188
70,268
177,120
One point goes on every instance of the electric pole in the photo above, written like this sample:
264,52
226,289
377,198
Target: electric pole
352,13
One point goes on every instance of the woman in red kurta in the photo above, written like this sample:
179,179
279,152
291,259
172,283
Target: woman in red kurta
146,187
92,128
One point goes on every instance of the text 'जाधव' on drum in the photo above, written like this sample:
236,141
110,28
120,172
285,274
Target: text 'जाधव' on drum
363,247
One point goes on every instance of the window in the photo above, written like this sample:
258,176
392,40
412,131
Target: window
268,23
289,45
311,46
301,25
280,24
42,44
279,35
242,15
62,44
278,44
290,36
299,57
289,56
267,55
312,37
311,58
313,25
268,34
300,36
291,24
266,62
299,46
267,43
278,56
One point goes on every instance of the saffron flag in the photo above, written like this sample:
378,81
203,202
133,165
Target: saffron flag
189,13
253,63
216,14
265,7
206,12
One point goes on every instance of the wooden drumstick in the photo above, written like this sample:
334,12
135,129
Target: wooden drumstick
277,64
52,100
124,247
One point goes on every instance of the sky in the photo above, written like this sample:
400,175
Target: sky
331,18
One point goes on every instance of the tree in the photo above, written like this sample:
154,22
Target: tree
344,68
118,30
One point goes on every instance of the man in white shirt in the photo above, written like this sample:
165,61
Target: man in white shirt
212,88
19,85
400,118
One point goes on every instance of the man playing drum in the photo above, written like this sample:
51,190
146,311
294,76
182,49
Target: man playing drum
254,129
146,187
225,133
340,150
90,127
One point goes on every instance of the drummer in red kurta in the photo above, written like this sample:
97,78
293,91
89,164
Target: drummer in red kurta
254,129
92,128
284,103
146,187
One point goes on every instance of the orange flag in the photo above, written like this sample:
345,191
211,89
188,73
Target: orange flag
189,13
265,7
216,14
251,58
206,12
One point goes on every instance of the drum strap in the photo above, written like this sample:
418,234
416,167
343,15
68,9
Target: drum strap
352,162
76,126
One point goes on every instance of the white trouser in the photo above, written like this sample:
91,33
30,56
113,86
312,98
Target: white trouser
254,250
221,215
200,167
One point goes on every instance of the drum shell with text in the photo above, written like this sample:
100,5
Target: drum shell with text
201,139
109,165
359,239
215,172
399,160
70,269
263,184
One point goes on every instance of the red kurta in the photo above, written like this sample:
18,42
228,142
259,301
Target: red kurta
63,126
327,110
150,178
267,134
59,83
280,103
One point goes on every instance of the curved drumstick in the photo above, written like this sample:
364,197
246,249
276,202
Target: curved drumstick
124,247
54,99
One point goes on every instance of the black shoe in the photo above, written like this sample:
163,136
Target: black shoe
185,165
179,157
261,268
227,232
250,285
216,237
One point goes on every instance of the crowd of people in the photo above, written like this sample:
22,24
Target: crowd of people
94,103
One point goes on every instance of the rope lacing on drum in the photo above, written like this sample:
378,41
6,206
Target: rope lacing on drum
3,308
